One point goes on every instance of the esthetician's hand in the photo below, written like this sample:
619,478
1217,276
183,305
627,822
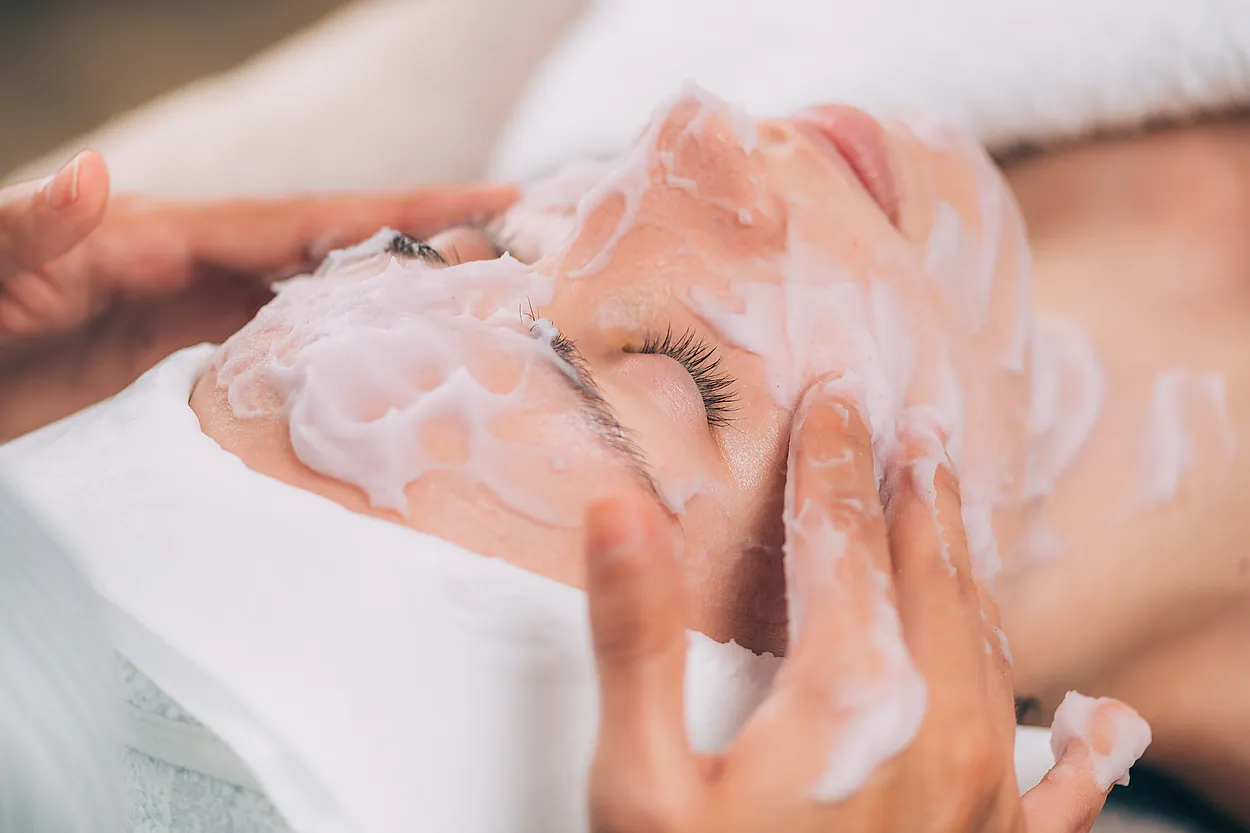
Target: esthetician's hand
955,776
93,291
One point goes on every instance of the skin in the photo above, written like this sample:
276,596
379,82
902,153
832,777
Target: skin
1147,227
646,777
684,240
93,290
1140,241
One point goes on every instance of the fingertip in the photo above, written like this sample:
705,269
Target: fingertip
830,425
629,552
1068,799
94,181
617,530
840,392
80,187
1112,734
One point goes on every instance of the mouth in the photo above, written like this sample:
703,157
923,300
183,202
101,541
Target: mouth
860,141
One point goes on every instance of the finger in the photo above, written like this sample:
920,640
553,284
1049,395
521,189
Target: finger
848,697
40,221
831,507
937,596
637,620
1067,800
276,236
1096,741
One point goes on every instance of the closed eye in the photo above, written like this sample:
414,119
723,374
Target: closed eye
702,361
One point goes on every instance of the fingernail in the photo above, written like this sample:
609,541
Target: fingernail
61,189
849,391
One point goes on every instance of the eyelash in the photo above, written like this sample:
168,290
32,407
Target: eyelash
702,362
407,246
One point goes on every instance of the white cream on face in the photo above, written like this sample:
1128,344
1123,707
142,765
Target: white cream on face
676,492
1067,391
915,352
1179,397
908,356
546,215
1115,734
389,370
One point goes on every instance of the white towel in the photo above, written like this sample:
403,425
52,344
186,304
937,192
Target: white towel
1007,71
373,678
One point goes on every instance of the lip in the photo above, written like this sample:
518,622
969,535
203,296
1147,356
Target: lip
860,141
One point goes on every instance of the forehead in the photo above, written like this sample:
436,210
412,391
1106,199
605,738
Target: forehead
387,370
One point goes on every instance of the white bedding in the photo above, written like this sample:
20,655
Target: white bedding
1007,72
373,678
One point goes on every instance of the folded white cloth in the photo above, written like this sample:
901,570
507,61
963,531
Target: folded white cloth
1013,72
373,678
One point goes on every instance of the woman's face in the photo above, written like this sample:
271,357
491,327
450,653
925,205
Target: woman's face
698,285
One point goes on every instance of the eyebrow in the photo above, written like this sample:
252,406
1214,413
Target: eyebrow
612,436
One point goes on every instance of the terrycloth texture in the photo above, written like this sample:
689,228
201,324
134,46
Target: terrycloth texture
164,798
1007,72
385,94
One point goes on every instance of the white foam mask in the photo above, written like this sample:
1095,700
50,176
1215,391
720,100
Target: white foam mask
936,337
388,370
929,333
932,343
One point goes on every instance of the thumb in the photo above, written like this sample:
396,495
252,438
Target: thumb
637,623
1095,741
1067,800
39,222
42,220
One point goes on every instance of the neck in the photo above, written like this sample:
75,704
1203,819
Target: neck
1140,243
1158,204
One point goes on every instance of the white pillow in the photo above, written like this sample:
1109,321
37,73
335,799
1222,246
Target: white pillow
373,679
1007,70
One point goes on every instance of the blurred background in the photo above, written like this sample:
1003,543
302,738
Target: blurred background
67,65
